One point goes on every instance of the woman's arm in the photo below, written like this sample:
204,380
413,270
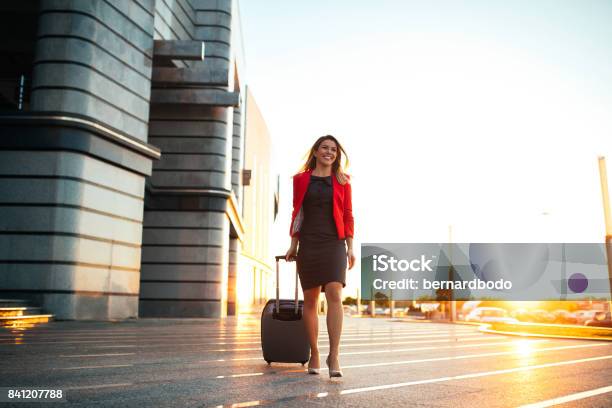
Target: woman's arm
349,252
292,251
349,224
294,232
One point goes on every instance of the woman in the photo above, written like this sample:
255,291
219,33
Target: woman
322,224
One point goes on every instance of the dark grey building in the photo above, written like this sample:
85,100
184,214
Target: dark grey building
121,145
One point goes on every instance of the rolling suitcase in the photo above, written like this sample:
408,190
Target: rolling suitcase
283,335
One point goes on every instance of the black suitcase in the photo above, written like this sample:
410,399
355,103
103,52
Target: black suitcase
283,335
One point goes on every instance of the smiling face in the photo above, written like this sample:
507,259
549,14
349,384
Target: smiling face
326,153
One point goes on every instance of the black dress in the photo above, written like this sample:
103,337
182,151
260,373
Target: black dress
321,256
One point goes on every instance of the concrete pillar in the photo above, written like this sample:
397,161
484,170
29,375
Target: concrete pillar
237,149
232,300
73,168
182,274
186,265
235,244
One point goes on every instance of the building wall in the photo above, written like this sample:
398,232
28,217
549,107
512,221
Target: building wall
121,188
174,20
237,153
255,277
94,58
187,268
72,170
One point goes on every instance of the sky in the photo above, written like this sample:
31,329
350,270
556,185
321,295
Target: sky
469,121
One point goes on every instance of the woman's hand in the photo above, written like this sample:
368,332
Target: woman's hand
351,258
291,253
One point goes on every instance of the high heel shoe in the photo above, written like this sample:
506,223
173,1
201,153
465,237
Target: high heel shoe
332,373
312,370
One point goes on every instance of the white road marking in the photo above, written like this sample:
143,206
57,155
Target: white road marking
102,332
244,404
25,342
220,333
350,345
461,357
473,375
117,346
91,367
138,330
407,332
87,387
103,337
467,356
496,343
421,336
239,375
471,337
362,339
568,398
98,355
456,337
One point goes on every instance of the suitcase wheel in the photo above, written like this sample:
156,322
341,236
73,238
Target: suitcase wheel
303,362
269,363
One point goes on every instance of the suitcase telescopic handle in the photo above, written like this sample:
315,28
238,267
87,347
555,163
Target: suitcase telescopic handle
277,305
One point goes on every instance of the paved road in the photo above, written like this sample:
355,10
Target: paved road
207,362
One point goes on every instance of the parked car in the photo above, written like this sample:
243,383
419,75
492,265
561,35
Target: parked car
582,316
564,317
542,316
489,315
522,315
467,308
601,319
349,310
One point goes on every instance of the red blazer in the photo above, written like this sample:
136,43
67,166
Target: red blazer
342,210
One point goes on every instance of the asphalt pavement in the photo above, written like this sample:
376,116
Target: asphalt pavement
212,362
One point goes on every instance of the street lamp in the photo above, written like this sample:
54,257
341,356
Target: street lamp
603,177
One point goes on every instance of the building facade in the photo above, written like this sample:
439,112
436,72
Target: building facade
121,156
260,198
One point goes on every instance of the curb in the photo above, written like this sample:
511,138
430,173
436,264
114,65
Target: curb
485,328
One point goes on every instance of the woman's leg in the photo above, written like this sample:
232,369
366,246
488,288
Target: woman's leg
311,321
333,295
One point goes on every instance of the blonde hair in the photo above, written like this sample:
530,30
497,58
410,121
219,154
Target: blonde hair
337,166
